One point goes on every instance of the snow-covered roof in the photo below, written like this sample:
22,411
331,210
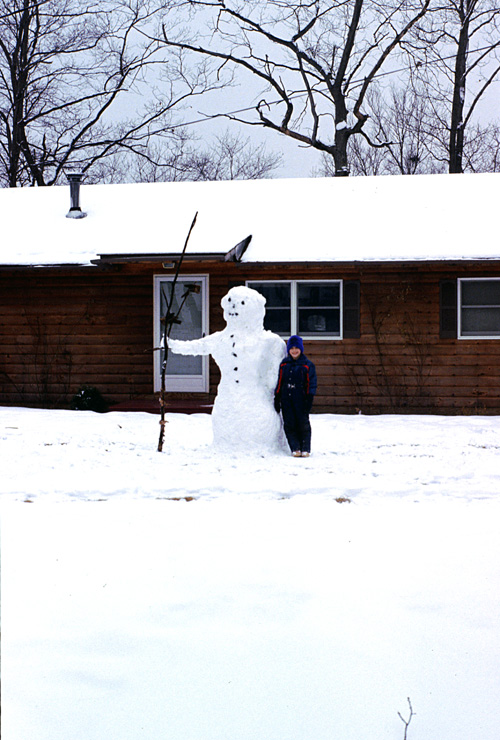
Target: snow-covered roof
320,219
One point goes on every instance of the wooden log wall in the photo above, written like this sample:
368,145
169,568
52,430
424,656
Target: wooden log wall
62,328
68,328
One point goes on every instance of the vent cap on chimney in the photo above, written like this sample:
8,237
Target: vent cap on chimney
75,211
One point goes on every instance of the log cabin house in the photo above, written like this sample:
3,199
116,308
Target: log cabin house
393,282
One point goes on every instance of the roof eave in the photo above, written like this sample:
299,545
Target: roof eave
233,255
103,259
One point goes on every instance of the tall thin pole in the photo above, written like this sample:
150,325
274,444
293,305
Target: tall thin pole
169,321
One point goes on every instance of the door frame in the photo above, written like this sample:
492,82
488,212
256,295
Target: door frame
180,383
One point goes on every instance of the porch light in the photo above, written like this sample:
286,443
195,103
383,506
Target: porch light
75,179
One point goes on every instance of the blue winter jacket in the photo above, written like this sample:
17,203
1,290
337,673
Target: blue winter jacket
297,382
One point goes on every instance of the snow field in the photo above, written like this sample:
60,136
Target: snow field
195,596
247,619
79,455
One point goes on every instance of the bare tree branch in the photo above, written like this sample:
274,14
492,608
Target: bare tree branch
306,53
65,68
406,722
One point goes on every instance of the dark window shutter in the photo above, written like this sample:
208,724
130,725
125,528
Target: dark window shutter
448,309
352,317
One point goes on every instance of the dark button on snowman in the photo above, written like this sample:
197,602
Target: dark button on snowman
248,356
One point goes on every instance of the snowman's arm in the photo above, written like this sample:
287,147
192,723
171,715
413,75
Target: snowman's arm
275,354
203,346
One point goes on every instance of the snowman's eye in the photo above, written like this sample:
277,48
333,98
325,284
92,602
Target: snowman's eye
229,300
242,303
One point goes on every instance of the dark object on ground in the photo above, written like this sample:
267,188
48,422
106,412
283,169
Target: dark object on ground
88,398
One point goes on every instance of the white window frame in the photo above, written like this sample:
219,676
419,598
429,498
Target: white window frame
294,307
180,383
459,309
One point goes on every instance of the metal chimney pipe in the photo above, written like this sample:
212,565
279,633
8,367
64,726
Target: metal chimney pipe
75,179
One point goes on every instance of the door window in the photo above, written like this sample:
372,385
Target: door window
184,372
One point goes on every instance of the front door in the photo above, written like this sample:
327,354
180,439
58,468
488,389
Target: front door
184,373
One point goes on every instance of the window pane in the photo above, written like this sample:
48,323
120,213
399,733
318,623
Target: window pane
481,293
318,294
278,305
318,308
278,320
277,295
480,309
315,321
189,328
481,322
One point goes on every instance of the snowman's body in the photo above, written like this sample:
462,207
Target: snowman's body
248,356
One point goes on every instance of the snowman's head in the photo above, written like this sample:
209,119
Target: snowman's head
244,309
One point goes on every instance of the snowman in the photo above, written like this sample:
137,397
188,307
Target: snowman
243,417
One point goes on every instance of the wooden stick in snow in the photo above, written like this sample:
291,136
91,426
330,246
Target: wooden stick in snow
170,320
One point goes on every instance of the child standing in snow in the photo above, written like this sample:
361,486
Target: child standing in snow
294,395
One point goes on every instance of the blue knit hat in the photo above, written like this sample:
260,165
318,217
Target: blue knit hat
295,341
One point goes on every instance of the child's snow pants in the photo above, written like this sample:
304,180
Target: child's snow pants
297,427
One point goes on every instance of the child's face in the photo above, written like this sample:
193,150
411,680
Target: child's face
294,352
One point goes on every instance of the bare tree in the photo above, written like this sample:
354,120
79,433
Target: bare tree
456,53
67,68
229,157
233,157
398,123
363,160
305,68
482,149
411,126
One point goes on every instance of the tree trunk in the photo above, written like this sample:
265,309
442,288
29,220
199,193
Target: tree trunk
340,154
458,104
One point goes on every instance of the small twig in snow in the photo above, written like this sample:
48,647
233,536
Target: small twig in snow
406,722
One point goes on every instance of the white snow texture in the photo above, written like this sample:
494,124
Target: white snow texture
243,417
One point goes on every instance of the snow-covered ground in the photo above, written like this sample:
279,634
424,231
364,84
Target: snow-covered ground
77,455
190,595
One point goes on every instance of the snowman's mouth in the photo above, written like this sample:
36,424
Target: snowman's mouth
233,313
